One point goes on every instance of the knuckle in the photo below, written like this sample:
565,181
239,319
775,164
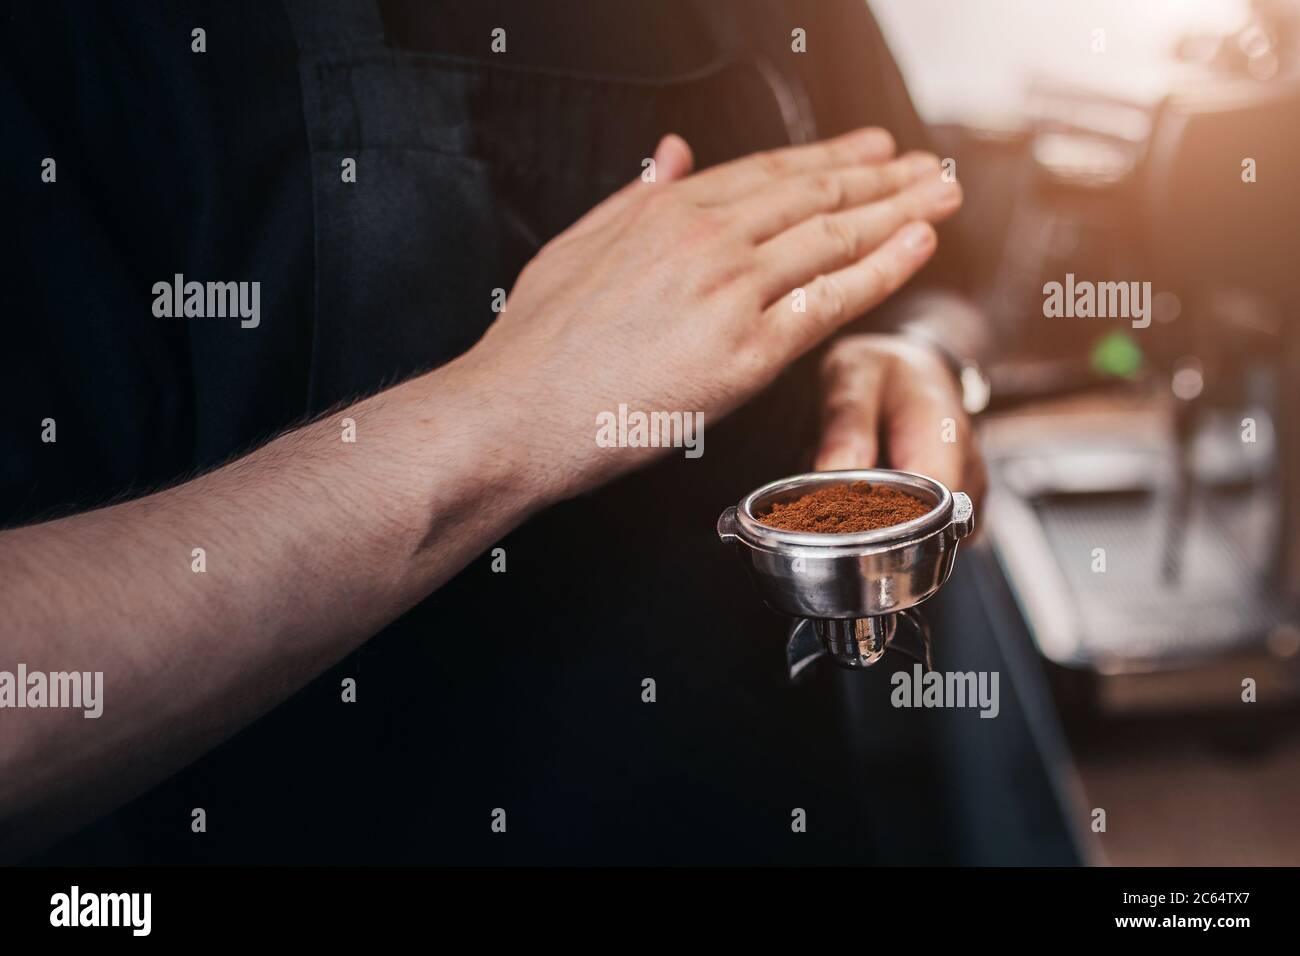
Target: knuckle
838,234
832,303
827,189
831,364
703,226
743,298
840,403
842,355
771,164
730,275
879,276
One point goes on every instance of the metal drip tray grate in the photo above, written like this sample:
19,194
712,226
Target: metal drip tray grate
1162,595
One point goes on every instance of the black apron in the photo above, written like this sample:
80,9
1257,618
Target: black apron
523,690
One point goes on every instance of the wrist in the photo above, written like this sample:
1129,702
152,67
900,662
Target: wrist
468,423
422,478
969,378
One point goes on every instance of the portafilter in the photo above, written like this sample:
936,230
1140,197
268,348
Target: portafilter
850,592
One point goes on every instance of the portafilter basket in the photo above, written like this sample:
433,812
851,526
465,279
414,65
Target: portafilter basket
850,591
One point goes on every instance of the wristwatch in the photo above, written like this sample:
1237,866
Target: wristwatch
976,390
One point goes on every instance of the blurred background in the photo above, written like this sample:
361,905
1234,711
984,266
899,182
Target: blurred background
1109,140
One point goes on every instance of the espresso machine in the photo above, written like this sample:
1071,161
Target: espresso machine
1147,530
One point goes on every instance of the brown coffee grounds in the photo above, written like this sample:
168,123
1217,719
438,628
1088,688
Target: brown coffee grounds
843,509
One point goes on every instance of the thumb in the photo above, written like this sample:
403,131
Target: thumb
673,159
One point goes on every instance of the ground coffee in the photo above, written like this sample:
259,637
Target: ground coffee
841,509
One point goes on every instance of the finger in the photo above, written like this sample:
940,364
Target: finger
974,480
850,413
673,160
927,428
829,241
786,202
739,178
807,315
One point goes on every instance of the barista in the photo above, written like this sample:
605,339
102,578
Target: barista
473,430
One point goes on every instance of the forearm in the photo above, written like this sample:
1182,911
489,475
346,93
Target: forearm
310,545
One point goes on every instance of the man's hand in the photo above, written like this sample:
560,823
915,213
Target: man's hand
892,401
693,292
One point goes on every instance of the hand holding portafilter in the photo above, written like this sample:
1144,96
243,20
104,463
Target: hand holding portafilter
850,590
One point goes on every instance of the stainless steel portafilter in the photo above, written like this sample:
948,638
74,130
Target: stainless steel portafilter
852,594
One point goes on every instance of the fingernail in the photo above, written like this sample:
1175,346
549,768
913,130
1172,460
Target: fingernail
917,236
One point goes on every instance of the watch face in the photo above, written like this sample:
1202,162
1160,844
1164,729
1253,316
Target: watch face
975,389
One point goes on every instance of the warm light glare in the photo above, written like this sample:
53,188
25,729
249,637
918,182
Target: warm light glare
973,58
